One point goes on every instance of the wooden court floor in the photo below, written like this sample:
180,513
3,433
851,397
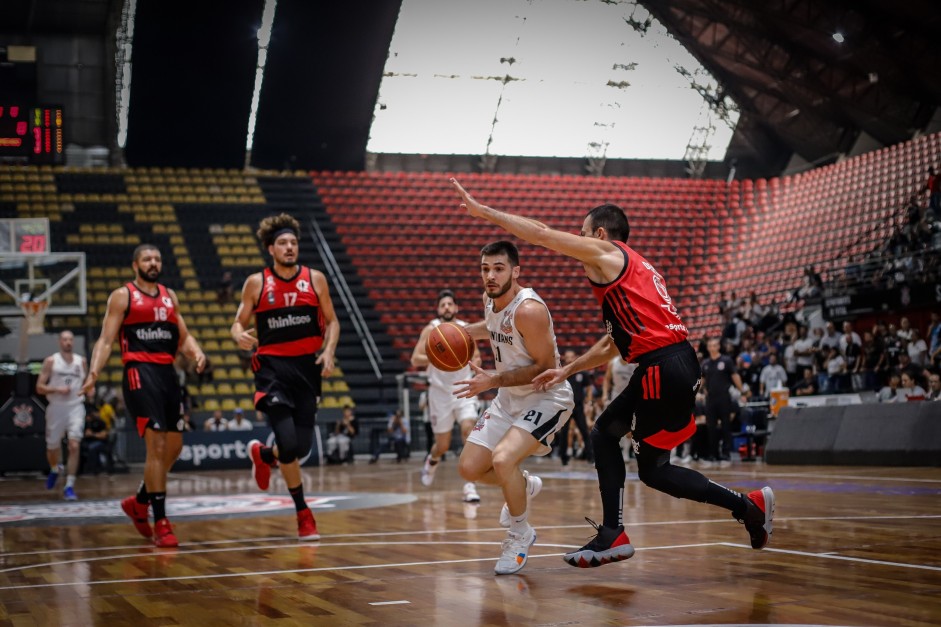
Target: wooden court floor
852,546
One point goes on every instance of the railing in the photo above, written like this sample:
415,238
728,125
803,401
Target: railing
346,296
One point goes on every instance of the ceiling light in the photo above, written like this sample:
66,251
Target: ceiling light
838,37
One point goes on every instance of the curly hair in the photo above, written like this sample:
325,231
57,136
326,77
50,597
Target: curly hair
270,227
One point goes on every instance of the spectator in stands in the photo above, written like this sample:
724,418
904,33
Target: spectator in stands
917,349
835,365
97,445
905,329
894,347
773,376
806,386
887,394
339,447
933,187
187,423
804,349
934,387
748,370
934,339
733,331
216,423
909,389
851,347
867,364
239,422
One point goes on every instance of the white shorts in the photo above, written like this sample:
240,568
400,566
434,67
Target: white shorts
444,409
62,419
541,419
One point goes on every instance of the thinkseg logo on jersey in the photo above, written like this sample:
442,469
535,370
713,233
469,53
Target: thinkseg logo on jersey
289,320
149,335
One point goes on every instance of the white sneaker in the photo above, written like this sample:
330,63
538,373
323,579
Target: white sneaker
428,471
533,487
470,493
515,552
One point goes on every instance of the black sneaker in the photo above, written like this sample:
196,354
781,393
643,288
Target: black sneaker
609,545
759,516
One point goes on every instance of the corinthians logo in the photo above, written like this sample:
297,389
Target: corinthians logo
288,320
191,507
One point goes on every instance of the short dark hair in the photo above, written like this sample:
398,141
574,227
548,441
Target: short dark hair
141,248
444,294
612,219
502,247
268,227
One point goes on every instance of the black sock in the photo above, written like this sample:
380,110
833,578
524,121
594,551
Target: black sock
267,455
611,476
143,497
726,497
298,495
158,501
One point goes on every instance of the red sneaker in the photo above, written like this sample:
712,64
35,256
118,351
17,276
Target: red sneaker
306,525
163,534
759,517
137,512
260,470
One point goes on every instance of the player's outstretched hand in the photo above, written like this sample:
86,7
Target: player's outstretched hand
548,378
89,386
467,201
481,382
247,341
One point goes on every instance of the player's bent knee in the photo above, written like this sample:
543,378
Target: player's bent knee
469,471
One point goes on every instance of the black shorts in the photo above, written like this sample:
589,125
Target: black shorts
290,381
658,402
153,397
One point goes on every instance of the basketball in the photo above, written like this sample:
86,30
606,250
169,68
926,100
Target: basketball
449,347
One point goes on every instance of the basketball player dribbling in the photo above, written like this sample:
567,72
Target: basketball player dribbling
444,409
520,421
644,327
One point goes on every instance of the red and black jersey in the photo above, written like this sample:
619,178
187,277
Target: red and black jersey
288,318
638,313
150,331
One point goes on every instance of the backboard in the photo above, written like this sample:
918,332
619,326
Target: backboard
58,278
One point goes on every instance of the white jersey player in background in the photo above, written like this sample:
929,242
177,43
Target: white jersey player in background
444,409
60,380
616,378
520,421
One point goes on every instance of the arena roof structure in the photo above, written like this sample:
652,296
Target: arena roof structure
812,81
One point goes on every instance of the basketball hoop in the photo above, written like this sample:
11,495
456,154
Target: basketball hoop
35,313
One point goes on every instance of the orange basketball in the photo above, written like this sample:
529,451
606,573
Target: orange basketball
449,347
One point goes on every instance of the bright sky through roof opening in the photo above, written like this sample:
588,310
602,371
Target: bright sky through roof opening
583,83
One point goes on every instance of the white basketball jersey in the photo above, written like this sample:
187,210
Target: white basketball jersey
510,353
621,373
70,375
445,380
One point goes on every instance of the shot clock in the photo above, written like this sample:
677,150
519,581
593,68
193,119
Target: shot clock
31,132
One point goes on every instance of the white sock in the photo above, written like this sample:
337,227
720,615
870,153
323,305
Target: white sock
519,524
70,481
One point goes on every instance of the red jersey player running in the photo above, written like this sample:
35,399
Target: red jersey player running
643,326
147,316
294,319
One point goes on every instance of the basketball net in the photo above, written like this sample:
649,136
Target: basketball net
35,314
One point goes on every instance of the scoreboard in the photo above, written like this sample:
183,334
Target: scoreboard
31,133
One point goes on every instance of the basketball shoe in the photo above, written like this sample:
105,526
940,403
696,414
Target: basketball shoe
260,469
306,526
533,487
515,552
69,494
137,512
428,471
608,545
163,534
470,493
53,476
759,516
